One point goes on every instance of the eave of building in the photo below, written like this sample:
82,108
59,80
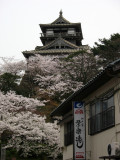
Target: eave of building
27,54
61,24
45,26
100,79
49,52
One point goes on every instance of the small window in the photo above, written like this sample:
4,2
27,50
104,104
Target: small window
68,138
71,31
49,32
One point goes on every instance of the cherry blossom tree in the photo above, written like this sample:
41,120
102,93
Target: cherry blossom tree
13,66
29,131
59,76
56,76
46,74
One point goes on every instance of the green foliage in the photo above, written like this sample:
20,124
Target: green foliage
12,153
27,87
108,49
8,82
5,136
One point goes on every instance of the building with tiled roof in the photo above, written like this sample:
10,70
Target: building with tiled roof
95,134
58,38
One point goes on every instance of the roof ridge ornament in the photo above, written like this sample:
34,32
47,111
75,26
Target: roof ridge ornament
61,13
61,19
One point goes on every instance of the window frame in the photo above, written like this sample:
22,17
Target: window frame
68,136
102,117
71,31
49,32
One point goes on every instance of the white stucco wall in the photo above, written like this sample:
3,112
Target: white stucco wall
62,135
68,152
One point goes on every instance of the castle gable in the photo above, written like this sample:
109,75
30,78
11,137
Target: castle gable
58,44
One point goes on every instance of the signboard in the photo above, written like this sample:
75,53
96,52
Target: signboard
79,131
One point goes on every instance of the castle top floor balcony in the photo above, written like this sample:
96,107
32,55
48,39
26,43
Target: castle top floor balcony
64,34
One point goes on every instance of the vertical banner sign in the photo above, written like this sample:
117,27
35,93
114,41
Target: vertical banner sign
79,131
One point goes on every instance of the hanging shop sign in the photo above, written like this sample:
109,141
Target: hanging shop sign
79,131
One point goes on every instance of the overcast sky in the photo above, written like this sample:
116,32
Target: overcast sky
20,19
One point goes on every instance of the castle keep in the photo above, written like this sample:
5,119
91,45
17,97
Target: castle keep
58,38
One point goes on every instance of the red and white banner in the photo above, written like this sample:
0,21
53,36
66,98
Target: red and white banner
79,131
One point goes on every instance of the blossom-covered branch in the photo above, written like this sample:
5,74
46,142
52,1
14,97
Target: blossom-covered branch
29,131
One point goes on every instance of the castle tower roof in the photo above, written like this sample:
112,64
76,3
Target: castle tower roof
61,19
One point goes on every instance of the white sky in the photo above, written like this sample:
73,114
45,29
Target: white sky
20,19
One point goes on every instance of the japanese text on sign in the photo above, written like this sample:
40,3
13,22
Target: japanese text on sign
79,131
